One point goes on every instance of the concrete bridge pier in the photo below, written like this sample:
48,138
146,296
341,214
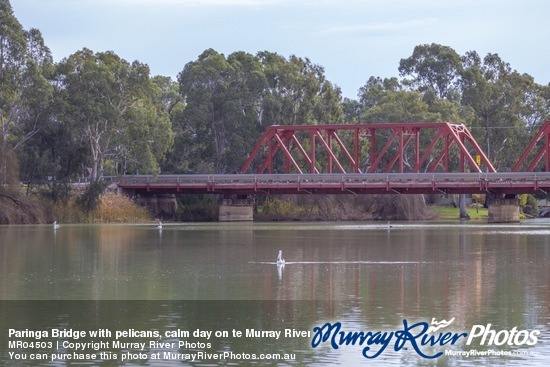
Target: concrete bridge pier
159,204
503,209
236,209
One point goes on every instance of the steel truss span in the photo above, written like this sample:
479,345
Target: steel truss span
349,183
368,148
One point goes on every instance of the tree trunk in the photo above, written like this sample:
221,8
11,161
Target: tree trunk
462,205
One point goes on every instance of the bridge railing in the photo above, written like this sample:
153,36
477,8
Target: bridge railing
327,178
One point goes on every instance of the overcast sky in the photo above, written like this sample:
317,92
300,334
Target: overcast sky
351,39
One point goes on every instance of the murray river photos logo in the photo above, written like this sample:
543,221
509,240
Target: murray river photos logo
419,336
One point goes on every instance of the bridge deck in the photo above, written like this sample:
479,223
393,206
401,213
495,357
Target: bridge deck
351,183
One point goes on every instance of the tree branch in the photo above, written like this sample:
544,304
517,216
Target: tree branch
17,202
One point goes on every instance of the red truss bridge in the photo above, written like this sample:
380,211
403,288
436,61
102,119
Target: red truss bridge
368,148
405,158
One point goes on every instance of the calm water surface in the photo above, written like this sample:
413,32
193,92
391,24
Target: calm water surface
224,276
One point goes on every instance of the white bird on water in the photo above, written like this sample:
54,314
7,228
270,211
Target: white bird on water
159,226
280,259
55,225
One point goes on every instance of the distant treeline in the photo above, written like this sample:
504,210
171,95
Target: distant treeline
94,113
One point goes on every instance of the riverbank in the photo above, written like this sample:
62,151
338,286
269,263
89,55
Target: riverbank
112,208
116,208
16,208
342,208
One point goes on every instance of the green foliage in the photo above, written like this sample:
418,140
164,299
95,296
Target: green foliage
24,91
89,200
197,208
118,110
432,68
502,101
529,205
400,106
281,209
230,101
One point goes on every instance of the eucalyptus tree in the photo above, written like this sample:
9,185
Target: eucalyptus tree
168,94
401,106
54,158
433,68
230,100
174,104
249,85
13,45
507,105
387,100
25,93
352,111
298,92
375,89
205,83
537,106
115,107
222,97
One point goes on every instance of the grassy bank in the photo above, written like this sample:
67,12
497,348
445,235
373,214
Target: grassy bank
451,213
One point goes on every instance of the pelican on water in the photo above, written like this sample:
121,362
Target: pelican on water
55,225
159,226
280,259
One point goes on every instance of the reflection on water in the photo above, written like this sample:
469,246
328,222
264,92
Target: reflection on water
363,274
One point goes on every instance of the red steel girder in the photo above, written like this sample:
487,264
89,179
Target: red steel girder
544,151
444,140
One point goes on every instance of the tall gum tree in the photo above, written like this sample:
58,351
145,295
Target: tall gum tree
298,92
230,101
25,93
432,67
508,106
208,85
108,100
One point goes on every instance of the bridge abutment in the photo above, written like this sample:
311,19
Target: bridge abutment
236,210
503,210
159,204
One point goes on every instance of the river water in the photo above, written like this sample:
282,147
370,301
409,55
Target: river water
188,280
